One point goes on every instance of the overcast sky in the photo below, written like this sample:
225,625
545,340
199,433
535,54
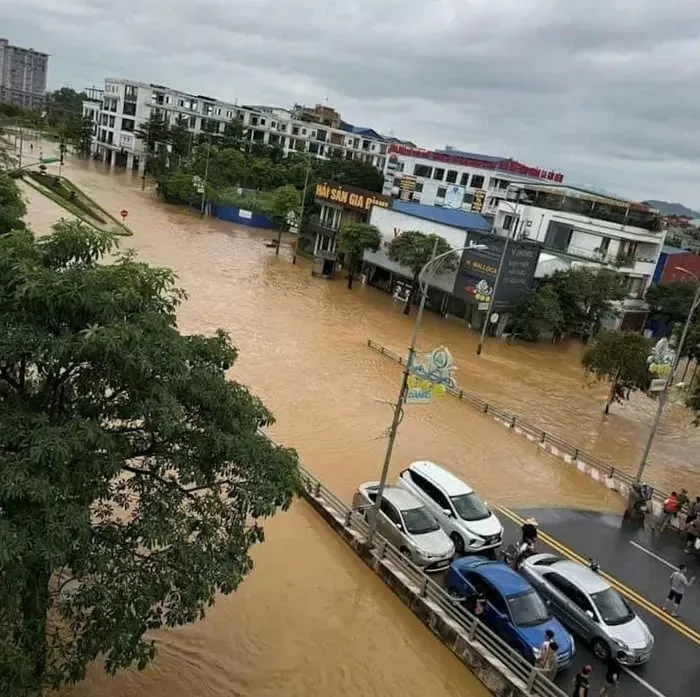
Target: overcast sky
604,90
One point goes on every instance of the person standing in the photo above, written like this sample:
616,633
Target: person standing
612,675
551,665
544,650
679,582
670,510
581,682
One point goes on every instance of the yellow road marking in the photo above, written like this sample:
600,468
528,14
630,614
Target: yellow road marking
628,592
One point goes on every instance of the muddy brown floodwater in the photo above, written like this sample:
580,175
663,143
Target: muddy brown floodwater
311,620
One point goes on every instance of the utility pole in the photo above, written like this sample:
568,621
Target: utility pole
301,209
21,143
206,175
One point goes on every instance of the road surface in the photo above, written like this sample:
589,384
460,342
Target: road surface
639,563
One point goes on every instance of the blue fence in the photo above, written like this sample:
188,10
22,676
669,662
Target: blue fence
241,216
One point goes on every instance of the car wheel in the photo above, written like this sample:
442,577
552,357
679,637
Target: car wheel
458,541
601,649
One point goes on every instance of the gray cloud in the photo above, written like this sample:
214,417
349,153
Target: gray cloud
601,89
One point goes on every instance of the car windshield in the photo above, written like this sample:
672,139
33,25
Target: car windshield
470,507
612,607
528,609
418,521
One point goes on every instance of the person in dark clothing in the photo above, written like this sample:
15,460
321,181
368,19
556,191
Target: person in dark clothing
612,675
581,684
529,531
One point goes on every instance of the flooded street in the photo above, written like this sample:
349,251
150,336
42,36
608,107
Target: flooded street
311,620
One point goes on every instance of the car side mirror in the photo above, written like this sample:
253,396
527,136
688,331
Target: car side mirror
591,615
447,512
399,527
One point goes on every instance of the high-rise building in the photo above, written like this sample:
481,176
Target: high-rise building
23,73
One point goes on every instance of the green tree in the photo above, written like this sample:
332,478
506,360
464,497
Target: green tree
155,135
671,302
235,135
621,359
414,249
539,313
80,136
587,297
180,139
351,173
134,476
12,205
278,204
354,240
177,187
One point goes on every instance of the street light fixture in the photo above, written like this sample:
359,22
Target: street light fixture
664,393
514,210
429,266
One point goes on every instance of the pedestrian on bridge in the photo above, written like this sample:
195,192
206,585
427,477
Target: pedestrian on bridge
679,582
581,683
612,675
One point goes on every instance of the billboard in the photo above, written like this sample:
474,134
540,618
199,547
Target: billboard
478,202
454,196
350,197
478,269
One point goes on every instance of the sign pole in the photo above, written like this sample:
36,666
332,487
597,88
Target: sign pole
398,409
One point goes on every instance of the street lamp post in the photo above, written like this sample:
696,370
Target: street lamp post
301,208
664,393
401,400
206,175
492,299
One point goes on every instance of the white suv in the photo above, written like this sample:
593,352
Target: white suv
458,508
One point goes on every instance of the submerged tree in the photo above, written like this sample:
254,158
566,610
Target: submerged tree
134,474
620,358
354,240
414,249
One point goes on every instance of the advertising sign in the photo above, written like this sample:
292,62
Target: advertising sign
478,202
454,196
350,197
478,268
408,186
660,362
430,376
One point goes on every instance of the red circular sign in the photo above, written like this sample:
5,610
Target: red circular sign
124,213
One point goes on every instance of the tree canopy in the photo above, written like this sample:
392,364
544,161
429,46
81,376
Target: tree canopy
671,302
354,239
414,249
621,359
12,206
134,474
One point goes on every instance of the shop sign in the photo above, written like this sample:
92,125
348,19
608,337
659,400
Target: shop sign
350,197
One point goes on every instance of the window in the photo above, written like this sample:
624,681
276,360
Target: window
439,174
422,171
128,125
477,181
507,221
468,198
253,120
441,192
492,595
612,607
569,590
451,177
419,187
430,490
390,512
418,521
470,507
528,609
604,246
129,108
464,179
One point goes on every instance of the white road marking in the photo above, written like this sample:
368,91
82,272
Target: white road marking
652,554
643,683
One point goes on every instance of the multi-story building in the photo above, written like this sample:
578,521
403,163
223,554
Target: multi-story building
126,105
452,178
584,227
23,73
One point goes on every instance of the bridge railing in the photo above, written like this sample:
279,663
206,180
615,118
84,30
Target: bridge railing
537,433
453,610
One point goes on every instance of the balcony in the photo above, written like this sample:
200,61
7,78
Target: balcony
314,226
617,261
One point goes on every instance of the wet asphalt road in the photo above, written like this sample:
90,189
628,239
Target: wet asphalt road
642,562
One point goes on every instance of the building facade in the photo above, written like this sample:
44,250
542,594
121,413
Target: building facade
582,227
23,75
125,105
453,178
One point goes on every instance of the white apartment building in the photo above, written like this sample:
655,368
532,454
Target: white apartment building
452,178
126,105
23,73
583,227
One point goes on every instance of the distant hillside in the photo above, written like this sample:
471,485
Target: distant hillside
667,208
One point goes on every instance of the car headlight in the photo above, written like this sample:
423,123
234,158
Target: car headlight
622,645
476,542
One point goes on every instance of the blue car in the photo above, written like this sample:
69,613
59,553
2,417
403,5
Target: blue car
513,609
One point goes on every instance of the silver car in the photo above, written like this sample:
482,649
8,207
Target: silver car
407,524
590,607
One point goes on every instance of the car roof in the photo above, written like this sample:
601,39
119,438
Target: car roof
500,575
586,579
452,485
402,499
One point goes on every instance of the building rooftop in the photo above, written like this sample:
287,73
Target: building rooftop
444,216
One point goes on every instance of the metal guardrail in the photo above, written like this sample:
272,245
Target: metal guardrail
469,626
538,433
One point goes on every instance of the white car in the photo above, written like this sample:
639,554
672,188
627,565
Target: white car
458,508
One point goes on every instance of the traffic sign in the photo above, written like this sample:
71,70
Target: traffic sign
123,213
